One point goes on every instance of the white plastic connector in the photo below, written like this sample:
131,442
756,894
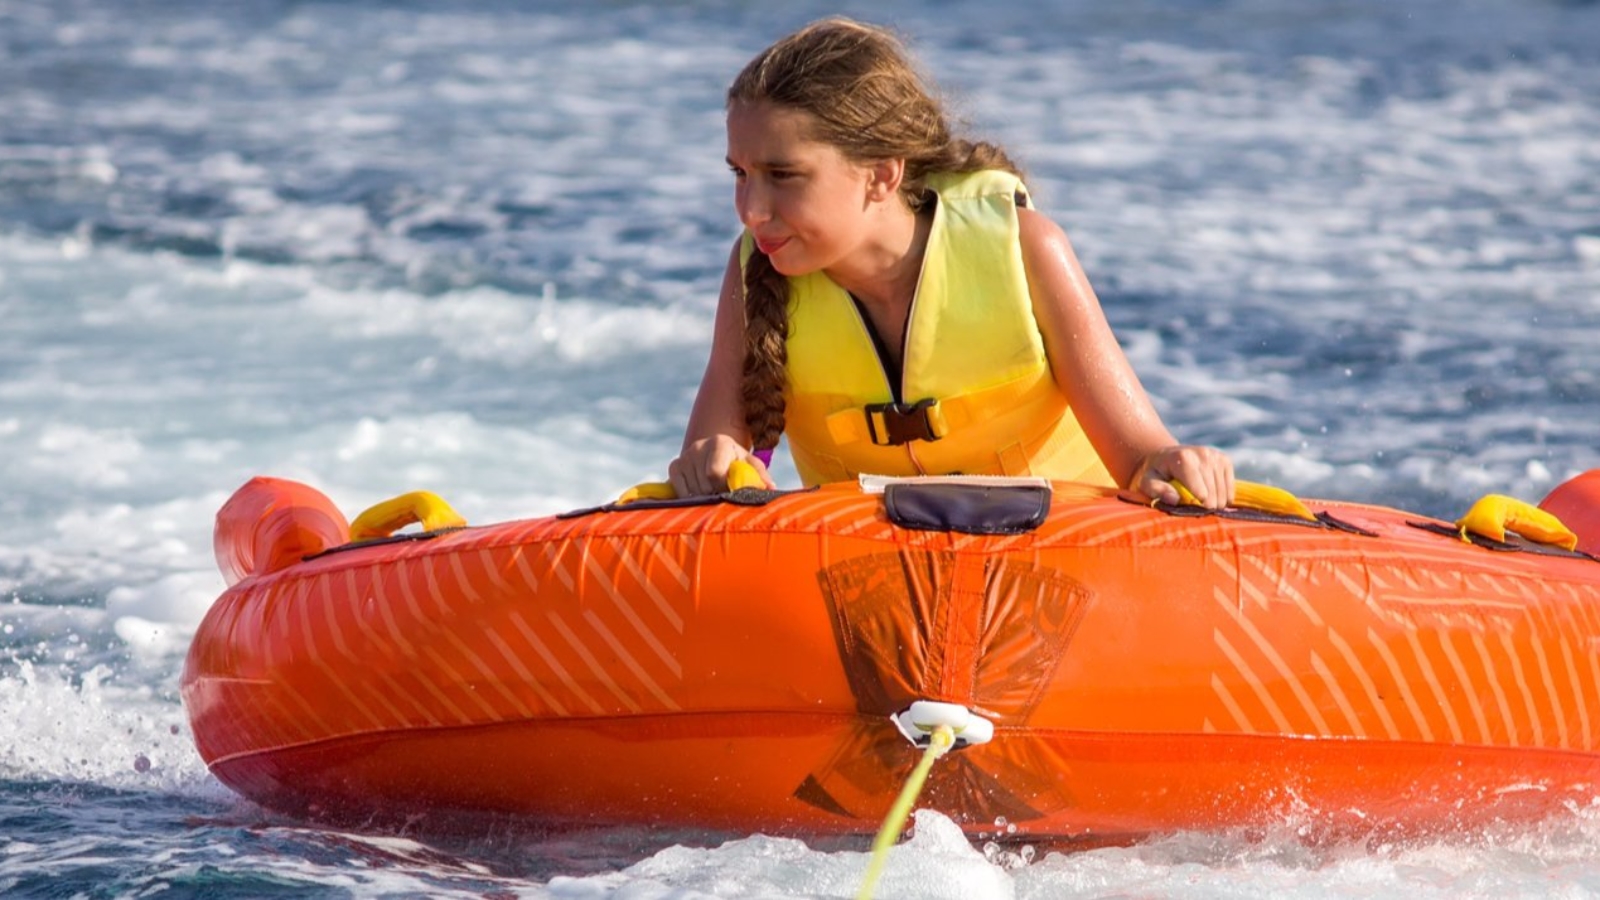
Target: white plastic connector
918,721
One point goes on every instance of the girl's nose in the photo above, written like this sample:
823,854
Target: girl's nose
754,206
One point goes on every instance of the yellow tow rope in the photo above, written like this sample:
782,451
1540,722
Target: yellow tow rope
940,741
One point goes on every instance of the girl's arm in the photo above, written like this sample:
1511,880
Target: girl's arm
1094,373
716,434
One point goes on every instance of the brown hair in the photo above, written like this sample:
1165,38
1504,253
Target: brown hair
867,99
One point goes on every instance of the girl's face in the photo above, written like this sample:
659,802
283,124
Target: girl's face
802,201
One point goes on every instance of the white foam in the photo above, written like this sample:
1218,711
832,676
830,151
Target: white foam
95,729
936,862
491,325
157,620
82,456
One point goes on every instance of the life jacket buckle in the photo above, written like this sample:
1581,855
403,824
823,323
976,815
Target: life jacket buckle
891,424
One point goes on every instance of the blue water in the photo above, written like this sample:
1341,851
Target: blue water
474,247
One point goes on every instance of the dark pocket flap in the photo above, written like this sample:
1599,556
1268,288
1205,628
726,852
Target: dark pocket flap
967,508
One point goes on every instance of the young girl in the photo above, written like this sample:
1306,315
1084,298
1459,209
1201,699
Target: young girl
896,307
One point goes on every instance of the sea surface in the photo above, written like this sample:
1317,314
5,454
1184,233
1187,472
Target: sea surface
474,247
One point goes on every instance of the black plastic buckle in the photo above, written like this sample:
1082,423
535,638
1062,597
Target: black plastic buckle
891,424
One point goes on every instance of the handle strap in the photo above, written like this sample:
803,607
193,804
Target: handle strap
1495,514
741,474
1257,497
418,507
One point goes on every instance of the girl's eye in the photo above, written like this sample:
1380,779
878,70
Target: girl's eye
738,173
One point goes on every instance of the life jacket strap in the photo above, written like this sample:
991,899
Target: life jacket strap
929,419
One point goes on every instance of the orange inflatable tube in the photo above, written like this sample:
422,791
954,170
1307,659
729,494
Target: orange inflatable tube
737,666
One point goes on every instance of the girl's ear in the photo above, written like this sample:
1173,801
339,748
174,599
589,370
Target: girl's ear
886,177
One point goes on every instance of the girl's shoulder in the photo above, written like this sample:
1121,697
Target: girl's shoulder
1038,230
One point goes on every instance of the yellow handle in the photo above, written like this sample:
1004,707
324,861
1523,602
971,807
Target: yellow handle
741,474
384,519
1259,497
1493,515
650,490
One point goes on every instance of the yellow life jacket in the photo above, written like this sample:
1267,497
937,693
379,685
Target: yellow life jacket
979,395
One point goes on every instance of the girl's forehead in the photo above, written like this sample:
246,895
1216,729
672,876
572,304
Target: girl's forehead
752,120
769,133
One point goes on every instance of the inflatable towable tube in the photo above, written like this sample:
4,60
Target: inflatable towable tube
754,662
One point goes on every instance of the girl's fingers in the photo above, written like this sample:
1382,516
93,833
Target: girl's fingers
1206,472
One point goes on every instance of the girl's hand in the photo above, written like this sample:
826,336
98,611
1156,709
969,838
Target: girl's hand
702,468
1206,471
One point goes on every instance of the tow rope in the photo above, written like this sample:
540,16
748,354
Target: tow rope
941,740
